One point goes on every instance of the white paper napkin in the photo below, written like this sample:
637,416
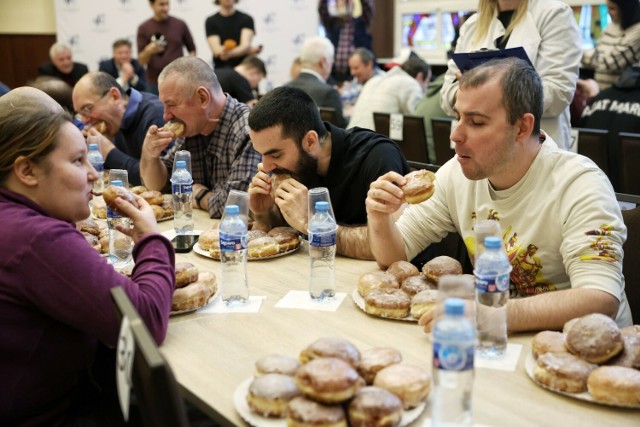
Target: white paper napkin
302,300
251,306
506,363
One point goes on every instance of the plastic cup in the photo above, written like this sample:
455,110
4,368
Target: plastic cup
483,229
183,155
241,199
119,175
320,194
458,286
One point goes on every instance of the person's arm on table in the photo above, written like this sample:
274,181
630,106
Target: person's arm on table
353,242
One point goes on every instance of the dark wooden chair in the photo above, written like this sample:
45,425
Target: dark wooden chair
329,115
629,149
592,143
156,389
414,137
630,264
442,139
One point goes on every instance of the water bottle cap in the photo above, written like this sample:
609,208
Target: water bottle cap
117,183
181,164
453,306
93,147
322,206
232,209
492,242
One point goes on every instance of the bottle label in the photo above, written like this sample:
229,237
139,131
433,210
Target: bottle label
452,357
232,242
181,188
492,284
322,239
99,167
112,214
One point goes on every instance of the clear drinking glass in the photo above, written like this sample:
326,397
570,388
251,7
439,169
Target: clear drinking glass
483,229
183,155
119,175
458,286
320,194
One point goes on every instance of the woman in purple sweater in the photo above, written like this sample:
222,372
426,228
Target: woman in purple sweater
55,305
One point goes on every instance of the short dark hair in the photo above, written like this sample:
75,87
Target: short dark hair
102,82
629,12
415,65
522,90
253,62
366,56
217,2
121,42
291,108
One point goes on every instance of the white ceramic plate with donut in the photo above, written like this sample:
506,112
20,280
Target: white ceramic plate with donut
242,407
191,310
357,298
529,366
198,249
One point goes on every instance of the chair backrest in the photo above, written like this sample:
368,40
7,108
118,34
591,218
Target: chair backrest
630,265
629,148
329,115
592,143
441,127
414,136
156,389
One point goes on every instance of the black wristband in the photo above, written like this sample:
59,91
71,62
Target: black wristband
201,195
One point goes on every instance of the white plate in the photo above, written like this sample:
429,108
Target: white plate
198,249
357,298
529,366
240,403
191,310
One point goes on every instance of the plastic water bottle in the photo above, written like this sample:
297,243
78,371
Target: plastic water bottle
96,160
233,254
120,245
492,294
453,351
322,250
181,188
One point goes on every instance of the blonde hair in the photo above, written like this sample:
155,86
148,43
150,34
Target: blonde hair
486,11
27,132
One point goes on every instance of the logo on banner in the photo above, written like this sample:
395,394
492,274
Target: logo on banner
183,4
270,22
299,4
126,4
271,61
100,23
73,41
70,5
298,40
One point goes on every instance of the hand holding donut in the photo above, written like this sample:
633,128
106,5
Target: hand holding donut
292,200
385,196
141,214
260,199
156,141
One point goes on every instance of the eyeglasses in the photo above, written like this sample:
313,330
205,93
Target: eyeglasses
86,110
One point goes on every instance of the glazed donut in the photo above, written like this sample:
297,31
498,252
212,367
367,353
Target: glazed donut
630,355
208,279
99,208
104,244
423,301
303,412
390,303
93,241
595,338
615,384
277,364
402,269
562,372
414,284
439,266
263,247
254,234
376,358
287,238
138,189
331,347
175,126
158,212
375,406
420,186
328,380
270,394
100,126
111,193
190,297
376,280
548,341
185,273
152,197
89,226
276,180
167,212
409,382
568,325
209,238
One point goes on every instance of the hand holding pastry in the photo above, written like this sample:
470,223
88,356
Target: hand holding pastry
292,199
143,218
156,140
260,199
384,196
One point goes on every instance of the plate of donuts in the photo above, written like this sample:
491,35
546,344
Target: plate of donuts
360,303
276,243
194,289
256,420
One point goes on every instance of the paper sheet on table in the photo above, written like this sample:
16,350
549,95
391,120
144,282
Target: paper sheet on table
302,300
252,306
506,363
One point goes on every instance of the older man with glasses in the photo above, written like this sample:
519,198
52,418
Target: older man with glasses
124,116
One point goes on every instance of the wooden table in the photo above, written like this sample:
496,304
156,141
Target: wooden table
211,354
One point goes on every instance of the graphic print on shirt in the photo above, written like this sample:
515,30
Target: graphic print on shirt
601,246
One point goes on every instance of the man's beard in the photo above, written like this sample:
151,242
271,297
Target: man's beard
306,170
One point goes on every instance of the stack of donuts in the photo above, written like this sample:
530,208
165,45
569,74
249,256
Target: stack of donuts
590,354
260,244
162,204
97,235
401,291
332,383
193,288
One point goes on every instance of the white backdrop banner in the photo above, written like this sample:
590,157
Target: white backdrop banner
91,26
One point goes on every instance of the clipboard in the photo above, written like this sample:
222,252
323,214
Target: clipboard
468,60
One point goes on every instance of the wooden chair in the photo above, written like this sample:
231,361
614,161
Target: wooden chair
442,139
630,265
329,115
414,137
592,143
629,149
156,389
